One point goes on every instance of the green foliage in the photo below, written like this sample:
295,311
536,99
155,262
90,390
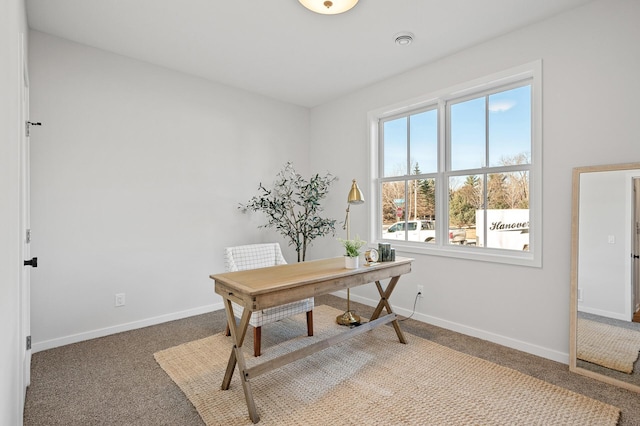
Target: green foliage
504,190
293,207
461,212
464,202
352,247
496,191
427,188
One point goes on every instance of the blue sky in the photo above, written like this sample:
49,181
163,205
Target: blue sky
509,133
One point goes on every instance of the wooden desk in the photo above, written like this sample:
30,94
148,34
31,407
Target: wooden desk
264,288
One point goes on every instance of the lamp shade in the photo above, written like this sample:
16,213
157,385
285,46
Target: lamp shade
328,7
355,195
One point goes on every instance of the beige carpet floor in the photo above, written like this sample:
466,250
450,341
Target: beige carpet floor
371,379
607,345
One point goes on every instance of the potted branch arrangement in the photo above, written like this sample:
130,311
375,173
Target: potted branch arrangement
352,252
293,208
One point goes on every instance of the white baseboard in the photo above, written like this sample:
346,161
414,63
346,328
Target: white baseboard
606,314
74,338
449,325
471,331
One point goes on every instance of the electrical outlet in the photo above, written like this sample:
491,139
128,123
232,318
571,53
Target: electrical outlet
120,300
420,291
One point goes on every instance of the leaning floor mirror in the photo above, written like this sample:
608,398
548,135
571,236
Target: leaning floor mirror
605,274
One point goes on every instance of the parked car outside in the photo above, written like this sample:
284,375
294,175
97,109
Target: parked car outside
421,230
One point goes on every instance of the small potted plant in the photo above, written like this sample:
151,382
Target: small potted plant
352,251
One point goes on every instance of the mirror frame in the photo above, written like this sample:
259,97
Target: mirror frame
573,319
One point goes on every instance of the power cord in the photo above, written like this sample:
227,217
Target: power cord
414,307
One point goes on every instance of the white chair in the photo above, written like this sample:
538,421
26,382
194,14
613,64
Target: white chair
255,256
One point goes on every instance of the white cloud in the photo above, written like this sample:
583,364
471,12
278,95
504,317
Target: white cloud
501,106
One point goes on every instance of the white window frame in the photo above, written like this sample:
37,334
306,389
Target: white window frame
533,257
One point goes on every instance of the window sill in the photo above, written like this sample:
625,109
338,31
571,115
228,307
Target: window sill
509,257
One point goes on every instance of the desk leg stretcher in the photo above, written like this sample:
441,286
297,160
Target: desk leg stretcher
238,334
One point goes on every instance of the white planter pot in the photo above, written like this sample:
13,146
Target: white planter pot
351,262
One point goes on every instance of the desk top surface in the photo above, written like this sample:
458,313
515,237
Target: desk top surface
274,278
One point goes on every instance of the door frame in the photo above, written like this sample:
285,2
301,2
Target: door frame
635,241
25,219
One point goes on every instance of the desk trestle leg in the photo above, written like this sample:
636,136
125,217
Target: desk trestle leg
384,303
238,334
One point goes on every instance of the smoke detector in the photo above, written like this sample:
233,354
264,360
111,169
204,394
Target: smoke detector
404,38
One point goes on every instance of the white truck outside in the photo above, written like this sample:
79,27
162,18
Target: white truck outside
506,229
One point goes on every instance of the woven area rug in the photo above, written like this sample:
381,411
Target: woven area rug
607,345
371,379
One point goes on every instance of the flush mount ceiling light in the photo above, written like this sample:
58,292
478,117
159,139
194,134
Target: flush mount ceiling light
327,7
404,38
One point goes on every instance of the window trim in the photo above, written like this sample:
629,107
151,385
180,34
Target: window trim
532,258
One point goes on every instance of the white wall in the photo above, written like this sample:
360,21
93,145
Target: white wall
591,88
12,25
137,172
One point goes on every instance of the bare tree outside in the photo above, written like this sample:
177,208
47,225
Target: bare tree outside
466,195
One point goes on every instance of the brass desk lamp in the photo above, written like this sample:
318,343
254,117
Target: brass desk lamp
349,318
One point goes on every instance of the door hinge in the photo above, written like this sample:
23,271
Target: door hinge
27,127
27,237
28,343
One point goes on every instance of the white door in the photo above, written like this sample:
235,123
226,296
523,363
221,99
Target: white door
25,284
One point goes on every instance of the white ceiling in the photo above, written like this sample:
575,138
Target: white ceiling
280,49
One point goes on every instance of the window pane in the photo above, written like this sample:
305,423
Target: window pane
507,218
468,146
510,127
423,130
393,207
466,197
496,191
395,147
518,190
426,198
421,202
412,218
421,209
508,190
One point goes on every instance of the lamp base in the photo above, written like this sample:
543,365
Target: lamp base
349,319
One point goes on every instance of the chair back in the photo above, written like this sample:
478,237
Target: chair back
252,256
